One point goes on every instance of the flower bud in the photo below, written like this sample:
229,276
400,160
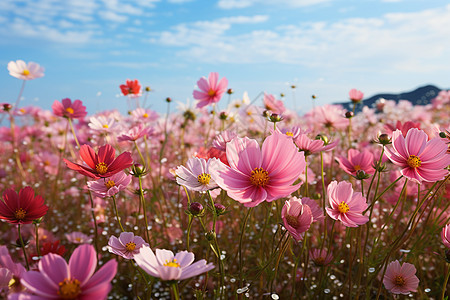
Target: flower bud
274,118
384,139
210,235
361,174
349,114
442,135
220,208
168,99
223,115
196,209
7,106
230,91
147,89
138,170
324,138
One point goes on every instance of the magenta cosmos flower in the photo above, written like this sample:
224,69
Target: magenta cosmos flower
166,266
260,174
445,234
210,90
400,279
22,208
101,165
297,217
24,71
58,280
127,245
345,205
420,159
321,257
196,176
357,161
68,109
309,146
107,187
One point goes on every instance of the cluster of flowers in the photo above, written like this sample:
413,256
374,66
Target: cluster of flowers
388,185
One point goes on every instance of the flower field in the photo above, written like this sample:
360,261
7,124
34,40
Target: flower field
251,201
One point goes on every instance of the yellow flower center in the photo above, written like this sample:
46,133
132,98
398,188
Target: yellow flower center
259,177
101,168
78,239
26,72
110,183
22,110
292,220
69,110
211,93
357,167
105,126
145,115
130,246
343,208
69,289
204,178
173,263
289,133
399,280
414,161
320,261
20,214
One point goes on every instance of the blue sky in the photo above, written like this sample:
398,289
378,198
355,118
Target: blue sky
324,47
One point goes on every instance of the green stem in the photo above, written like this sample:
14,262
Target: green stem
95,226
73,132
22,244
38,251
241,238
175,291
140,154
189,231
444,287
116,212
141,197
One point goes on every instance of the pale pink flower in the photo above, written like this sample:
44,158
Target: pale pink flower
16,269
400,279
293,131
309,146
210,90
445,235
56,279
345,205
127,245
272,104
144,115
24,71
330,116
260,174
420,159
196,176
355,95
221,140
102,123
297,217
107,187
135,133
356,161
167,266
316,210
77,237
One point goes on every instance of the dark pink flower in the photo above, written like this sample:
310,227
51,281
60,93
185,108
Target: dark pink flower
445,235
321,257
297,217
420,159
101,165
345,205
22,208
58,280
274,105
357,161
210,90
400,279
67,109
260,174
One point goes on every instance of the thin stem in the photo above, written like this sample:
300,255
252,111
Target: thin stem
38,251
22,244
95,225
73,132
141,197
444,287
175,291
241,238
116,212
16,106
140,154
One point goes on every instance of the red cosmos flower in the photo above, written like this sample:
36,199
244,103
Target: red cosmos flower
49,247
131,88
101,165
68,109
22,208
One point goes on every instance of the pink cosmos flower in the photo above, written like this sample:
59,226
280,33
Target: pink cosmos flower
166,266
210,90
256,175
101,165
107,187
58,280
405,127
420,159
221,140
77,237
356,161
127,245
24,71
16,270
67,109
135,133
321,257
102,123
132,88
272,104
196,175
297,217
345,205
445,235
309,146
22,208
144,115
400,279
330,116
355,95
316,210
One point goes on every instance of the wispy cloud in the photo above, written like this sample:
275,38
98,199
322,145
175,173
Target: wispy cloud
235,4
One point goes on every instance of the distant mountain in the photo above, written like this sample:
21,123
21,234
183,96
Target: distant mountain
420,96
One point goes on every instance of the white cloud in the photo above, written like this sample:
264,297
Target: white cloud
245,19
112,16
235,4
179,1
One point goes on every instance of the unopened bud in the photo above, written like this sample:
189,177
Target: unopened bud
384,139
349,114
210,235
147,89
230,91
361,174
138,170
196,208
220,208
168,99
223,115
